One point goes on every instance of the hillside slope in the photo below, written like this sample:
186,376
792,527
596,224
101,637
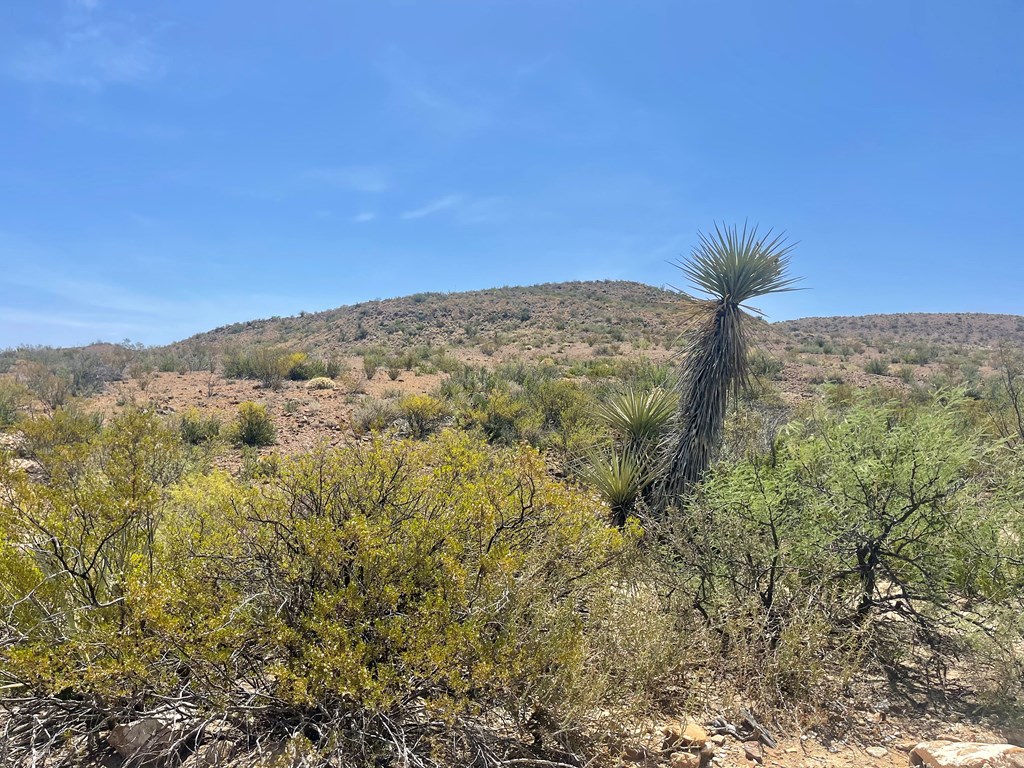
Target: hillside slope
541,315
548,316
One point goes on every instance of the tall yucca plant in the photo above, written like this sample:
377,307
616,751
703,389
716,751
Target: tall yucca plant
729,267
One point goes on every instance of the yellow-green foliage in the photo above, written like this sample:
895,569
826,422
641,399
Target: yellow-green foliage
13,397
272,365
70,547
505,418
252,425
195,428
422,413
67,427
443,578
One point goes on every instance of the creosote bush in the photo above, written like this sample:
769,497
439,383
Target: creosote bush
422,602
422,414
252,426
13,398
195,428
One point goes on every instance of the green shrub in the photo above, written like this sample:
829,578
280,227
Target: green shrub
256,467
52,388
271,365
506,418
868,536
195,428
13,398
373,415
371,362
877,367
252,426
66,429
422,414
762,364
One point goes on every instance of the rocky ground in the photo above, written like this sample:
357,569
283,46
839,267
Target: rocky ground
714,743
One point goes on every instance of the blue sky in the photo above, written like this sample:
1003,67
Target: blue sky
168,166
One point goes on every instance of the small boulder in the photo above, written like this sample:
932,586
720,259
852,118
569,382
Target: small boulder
877,752
684,760
143,741
687,736
944,754
753,751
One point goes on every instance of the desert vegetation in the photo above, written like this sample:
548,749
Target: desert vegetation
513,551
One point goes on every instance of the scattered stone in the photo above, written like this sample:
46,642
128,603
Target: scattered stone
143,740
29,466
877,752
752,751
691,735
718,739
635,754
684,760
942,754
12,441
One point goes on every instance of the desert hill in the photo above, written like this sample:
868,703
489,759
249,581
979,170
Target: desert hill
549,316
552,313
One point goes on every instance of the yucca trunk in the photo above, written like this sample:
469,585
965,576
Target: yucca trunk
710,372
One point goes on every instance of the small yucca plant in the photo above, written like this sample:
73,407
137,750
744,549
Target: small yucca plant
729,267
620,477
625,471
640,418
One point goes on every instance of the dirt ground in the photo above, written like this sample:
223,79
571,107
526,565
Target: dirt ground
873,742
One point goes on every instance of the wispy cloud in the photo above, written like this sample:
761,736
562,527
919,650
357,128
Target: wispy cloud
435,206
447,105
359,178
64,320
86,309
363,217
87,51
142,219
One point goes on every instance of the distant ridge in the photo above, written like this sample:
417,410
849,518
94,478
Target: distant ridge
975,329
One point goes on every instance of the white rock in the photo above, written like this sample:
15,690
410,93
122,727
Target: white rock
944,754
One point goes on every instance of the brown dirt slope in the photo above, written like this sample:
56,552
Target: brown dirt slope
591,312
550,313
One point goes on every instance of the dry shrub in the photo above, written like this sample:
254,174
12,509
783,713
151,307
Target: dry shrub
436,603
